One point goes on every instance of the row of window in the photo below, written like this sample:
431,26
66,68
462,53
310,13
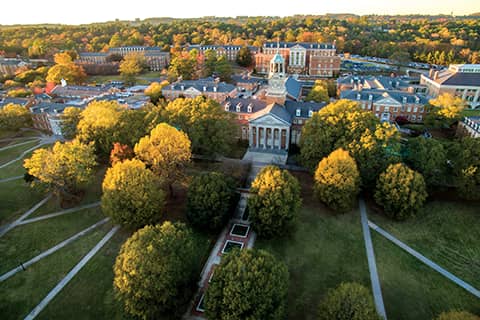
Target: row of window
410,117
415,109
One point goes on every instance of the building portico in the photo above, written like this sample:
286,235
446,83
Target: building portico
269,137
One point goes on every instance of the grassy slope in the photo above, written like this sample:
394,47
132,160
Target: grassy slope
14,152
16,198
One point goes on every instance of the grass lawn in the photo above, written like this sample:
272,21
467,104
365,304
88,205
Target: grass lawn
14,152
471,113
16,198
445,232
22,292
26,241
411,290
325,250
16,168
17,134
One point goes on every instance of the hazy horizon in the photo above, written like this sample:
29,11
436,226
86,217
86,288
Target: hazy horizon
91,11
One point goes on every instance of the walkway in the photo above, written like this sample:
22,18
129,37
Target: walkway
372,266
43,141
18,144
425,260
11,179
60,213
4,229
48,252
70,275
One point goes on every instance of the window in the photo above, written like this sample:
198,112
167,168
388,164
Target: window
419,118
227,106
415,109
386,108
310,113
414,117
298,112
422,109
377,108
409,109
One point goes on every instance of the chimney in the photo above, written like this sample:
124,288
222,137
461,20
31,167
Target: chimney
430,73
435,75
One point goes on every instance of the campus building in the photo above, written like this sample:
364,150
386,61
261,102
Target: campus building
229,51
469,126
460,80
309,59
208,87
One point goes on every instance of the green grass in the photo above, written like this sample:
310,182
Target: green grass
91,291
16,168
325,250
471,113
411,290
16,134
16,198
22,292
445,232
12,153
26,241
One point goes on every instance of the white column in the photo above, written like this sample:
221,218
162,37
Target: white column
287,142
272,132
265,137
258,137
250,136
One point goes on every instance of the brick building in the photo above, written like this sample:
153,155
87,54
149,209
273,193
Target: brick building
209,87
230,51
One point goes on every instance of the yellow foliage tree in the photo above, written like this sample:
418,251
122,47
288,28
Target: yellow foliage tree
446,109
131,66
154,90
65,69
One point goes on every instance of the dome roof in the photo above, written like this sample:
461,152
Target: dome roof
277,58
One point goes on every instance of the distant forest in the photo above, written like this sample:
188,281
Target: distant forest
432,39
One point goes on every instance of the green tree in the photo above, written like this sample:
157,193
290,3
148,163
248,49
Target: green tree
167,151
429,157
401,191
209,201
211,129
154,90
319,92
14,116
154,269
65,169
70,119
337,181
244,57
132,65
445,110
99,123
457,315
131,126
66,69
223,68
183,65
466,167
131,194
275,202
248,284
349,301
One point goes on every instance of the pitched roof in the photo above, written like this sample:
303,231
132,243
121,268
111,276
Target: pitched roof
257,105
377,95
304,107
294,88
276,110
305,45
202,85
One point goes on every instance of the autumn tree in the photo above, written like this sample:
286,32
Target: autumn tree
131,194
349,301
154,90
99,123
14,116
319,92
429,157
337,181
66,69
155,269
244,57
211,129
131,66
401,191
70,119
254,280
167,151
445,110
275,201
64,169
457,315
131,126
183,65
209,200
120,152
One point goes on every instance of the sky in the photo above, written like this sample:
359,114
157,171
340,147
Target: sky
87,11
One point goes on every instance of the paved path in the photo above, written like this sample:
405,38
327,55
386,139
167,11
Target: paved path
372,266
18,144
59,213
425,260
43,141
70,275
4,229
48,252
11,179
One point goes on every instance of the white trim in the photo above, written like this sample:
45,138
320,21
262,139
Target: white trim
232,241
198,308
241,225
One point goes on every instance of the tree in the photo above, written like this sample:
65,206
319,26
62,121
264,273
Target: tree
65,169
349,301
457,315
167,151
131,194
70,119
337,181
132,65
223,68
183,65
66,69
211,129
14,116
120,152
114,57
99,123
154,268
244,57
319,92
209,201
429,157
275,201
154,90
131,126
248,284
466,167
401,191
334,126
446,109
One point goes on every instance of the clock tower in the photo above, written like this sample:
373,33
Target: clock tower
276,92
